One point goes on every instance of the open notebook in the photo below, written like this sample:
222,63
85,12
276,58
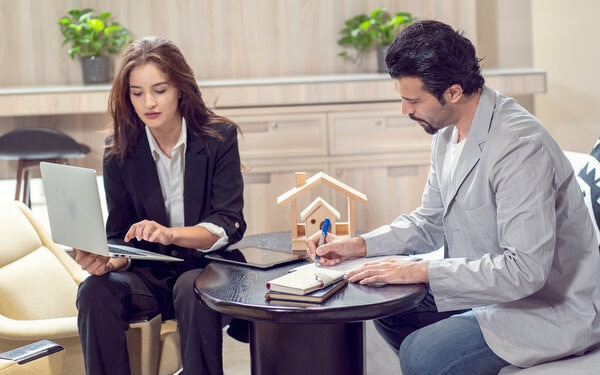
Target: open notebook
305,280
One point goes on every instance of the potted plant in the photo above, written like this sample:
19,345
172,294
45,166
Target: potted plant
93,38
374,31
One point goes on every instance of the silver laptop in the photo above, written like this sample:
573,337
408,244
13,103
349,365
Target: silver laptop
75,213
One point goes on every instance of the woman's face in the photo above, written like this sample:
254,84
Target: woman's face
154,98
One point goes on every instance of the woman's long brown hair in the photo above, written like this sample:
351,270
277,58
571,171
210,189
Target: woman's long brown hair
126,125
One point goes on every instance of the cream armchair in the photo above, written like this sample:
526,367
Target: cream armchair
38,287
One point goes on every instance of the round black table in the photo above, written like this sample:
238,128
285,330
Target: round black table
288,339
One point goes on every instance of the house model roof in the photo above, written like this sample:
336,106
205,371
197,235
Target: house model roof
316,180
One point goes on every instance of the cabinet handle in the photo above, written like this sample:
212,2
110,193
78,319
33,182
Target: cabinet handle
274,125
380,122
255,127
401,171
339,172
257,178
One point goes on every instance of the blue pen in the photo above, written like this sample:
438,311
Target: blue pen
322,239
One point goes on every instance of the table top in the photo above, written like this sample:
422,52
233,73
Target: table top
239,291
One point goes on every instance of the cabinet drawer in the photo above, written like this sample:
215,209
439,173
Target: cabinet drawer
393,186
261,211
375,132
283,135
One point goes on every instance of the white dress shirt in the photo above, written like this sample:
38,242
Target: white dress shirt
171,177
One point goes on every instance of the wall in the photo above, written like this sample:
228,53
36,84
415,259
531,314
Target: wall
565,44
504,44
220,38
258,38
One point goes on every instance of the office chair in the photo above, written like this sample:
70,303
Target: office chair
30,146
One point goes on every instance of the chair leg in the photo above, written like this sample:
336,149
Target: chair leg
26,195
143,344
25,176
19,179
22,192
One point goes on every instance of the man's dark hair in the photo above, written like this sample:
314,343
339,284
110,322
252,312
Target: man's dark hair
438,55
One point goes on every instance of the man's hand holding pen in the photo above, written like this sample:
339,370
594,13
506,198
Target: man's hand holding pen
334,249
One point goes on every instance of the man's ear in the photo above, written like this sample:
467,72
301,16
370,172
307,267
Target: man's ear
454,93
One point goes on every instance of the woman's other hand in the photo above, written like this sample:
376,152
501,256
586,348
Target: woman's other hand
97,264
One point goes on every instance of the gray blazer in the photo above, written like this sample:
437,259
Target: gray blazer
521,249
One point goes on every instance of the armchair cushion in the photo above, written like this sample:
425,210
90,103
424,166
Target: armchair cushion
37,287
23,236
34,283
587,364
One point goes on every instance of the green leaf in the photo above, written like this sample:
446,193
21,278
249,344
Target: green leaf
96,24
379,28
64,21
91,35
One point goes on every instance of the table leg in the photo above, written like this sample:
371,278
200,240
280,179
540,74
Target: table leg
307,349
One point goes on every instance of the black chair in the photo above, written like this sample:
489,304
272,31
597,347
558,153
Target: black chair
30,146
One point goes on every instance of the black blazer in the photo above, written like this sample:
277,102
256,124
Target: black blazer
213,192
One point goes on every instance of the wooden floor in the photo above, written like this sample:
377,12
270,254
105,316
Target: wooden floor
236,357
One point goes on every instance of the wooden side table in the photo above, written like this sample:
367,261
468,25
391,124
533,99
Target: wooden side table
326,338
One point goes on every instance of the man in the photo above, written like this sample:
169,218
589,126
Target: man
519,283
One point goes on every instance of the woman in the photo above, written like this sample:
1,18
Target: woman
173,186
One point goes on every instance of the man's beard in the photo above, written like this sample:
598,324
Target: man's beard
429,129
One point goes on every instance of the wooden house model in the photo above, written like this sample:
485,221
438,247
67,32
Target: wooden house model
312,217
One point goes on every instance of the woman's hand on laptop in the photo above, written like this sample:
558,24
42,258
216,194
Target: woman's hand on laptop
97,264
193,237
150,231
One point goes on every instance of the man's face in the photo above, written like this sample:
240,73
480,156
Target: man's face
421,106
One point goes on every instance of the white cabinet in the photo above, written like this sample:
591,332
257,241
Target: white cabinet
273,147
393,185
348,126
370,147
383,154
374,132
276,136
